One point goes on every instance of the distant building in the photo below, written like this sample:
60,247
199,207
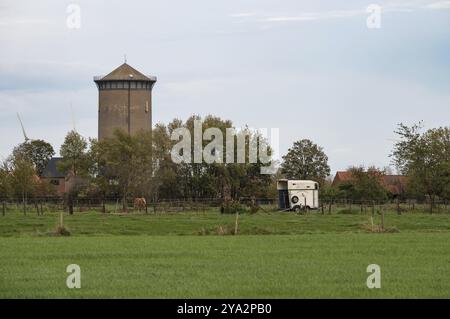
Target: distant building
54,176
394,184
124,101
63,182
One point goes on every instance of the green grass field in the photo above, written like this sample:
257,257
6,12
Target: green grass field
275,255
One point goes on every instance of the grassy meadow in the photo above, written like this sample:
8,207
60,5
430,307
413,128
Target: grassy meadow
195,255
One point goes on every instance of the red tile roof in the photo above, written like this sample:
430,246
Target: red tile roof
395,184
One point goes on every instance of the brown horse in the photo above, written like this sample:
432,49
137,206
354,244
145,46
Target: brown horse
140,203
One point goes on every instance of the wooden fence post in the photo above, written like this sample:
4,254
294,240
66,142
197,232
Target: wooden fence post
236,223
373,209
329,207
24,205
382,219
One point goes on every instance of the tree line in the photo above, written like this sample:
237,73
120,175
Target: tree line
128,166
140,165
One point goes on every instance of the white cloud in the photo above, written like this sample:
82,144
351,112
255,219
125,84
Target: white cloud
389,7
440,5
243,14
22,21
316,16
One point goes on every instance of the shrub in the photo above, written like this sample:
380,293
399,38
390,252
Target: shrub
348,211
62,231
220,230
254,209
232,207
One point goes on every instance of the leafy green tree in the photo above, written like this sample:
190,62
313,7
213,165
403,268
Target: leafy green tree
43,188
99,184
207,180
23,177
364,184
306,160
74,154
126,160
166,172
75,164
38,152
5,180
425,158
327,192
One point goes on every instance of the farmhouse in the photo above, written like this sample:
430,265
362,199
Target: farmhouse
54,176
394,184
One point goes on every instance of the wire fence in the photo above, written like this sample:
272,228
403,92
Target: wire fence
395,205
41,206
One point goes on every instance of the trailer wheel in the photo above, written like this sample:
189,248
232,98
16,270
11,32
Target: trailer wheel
294,199
297,209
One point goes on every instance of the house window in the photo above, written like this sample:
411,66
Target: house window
54,182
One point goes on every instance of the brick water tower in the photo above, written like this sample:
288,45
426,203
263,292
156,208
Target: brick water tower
124,101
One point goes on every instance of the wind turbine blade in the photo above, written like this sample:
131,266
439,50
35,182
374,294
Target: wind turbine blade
73,118
23,129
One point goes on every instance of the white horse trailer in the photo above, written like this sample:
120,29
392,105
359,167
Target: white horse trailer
298,195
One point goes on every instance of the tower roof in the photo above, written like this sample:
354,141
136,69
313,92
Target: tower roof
126,72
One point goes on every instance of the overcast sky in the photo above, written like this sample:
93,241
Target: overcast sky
313,69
